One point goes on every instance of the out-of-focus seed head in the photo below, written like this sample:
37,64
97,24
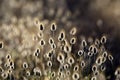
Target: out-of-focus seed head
61,68
49,63
94,78
36,21
41,27
8,56
35,38
12,67
4,75
53,74
61,36
80,52
110,57
82,64
103,68
53,27
10,71
27,73
1,44
76,67
6,65
67,48
104,54
60,73
90,54
96,73
37,52
68,73
25,65
103,59
73,40
11,63
57,78
73,31
37,71
50,54
103,39
99,60
40,34
90,40
71,60
83,43
61,58
93,49
94,68
75,76
1,70
117,72
97,42
51,41
66,66
42,42
53,46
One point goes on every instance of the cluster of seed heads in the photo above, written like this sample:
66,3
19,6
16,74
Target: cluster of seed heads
56,57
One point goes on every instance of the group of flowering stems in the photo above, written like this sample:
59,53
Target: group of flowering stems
60,55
